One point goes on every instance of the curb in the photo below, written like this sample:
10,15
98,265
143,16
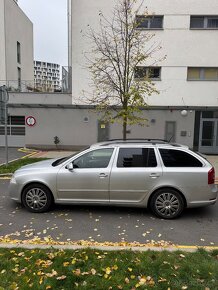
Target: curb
26,156
190,249
7,176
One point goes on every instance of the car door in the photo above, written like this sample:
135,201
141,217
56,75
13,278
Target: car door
88,178
134,174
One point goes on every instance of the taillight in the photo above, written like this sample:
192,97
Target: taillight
211,176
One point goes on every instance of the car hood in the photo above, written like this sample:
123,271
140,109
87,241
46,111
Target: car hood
37,166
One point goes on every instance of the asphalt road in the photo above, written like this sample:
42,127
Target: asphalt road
194,227
13,153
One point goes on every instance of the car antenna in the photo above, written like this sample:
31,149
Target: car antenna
171,138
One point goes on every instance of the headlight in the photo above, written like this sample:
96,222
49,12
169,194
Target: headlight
13,180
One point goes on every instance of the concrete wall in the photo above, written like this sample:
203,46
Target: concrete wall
2,42
18,28
73,132
40,98
183,47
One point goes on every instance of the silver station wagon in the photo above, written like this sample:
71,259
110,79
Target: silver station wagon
167,178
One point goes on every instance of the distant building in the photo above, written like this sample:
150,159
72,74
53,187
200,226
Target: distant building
46,76
16,46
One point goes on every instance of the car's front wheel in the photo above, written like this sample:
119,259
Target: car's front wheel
167,203
37,198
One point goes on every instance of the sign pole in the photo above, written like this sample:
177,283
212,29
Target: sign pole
6,133
4,116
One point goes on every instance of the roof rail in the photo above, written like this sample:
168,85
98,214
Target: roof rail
139,140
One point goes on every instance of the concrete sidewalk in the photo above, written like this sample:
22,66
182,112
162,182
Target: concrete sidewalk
53,154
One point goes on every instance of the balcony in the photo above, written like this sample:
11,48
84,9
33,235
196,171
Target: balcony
39,86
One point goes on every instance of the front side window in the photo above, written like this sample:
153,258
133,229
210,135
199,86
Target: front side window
144,72
94,159
204,22
136,157
149,22
178,158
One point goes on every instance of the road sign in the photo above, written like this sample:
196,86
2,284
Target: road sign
30,121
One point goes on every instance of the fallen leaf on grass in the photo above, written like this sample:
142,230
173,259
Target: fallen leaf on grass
63,277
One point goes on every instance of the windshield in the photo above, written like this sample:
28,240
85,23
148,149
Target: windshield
62,160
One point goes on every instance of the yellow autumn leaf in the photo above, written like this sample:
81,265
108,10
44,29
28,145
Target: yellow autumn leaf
142,281
162,280
130,269
93,271
63,277
127,280
41,280
77,272
65,264
108,270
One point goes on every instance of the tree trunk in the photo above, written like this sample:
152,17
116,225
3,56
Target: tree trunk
124,127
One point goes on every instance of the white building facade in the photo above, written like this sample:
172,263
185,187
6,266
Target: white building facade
46,76
187,79
16,46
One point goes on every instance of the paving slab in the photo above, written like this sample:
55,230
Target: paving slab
54,154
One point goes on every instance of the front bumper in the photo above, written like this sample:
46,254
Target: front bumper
14,191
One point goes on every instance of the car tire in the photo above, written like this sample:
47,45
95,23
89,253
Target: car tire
167,203
37,198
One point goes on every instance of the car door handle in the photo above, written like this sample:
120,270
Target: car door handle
154,175
103,175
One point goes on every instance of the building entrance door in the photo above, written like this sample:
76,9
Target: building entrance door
103,131
170,131
208,142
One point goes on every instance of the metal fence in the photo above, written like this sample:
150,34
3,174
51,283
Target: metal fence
39,87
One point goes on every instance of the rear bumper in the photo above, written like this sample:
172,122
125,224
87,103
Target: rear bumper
203,197
202,203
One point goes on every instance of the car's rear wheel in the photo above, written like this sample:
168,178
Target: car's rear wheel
167,203
37,198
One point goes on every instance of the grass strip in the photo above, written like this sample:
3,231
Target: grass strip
13,166
91,269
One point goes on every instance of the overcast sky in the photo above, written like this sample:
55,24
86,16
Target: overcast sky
49,19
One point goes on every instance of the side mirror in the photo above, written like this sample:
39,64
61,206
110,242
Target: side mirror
70,166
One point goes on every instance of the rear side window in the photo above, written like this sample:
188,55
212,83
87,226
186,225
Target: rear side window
177,158
136,157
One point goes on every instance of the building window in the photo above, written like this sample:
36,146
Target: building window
18,52
202,74
145,72
16,126
204,22
149,22
19,77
